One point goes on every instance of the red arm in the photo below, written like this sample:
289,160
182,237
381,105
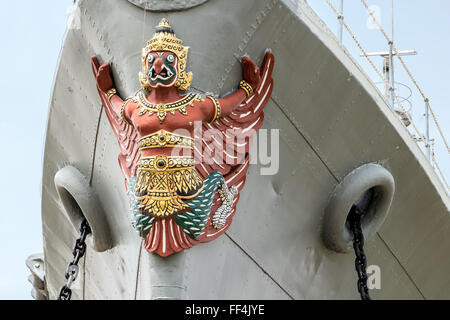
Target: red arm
126,135
105,82
252,75
231,102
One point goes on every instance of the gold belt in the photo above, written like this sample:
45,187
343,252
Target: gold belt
164,163
165,139
164,182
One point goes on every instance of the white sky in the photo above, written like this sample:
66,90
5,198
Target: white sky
32,33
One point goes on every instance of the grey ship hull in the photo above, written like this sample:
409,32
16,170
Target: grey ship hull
331,120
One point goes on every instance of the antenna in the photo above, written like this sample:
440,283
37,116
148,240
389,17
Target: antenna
388,67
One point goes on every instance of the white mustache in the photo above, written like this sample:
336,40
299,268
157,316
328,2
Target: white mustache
154,76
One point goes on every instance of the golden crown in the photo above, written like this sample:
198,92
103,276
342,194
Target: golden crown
166,40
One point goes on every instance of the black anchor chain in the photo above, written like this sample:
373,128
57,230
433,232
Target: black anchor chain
354,220
72,268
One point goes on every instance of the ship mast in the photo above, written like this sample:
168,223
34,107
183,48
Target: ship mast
388,62
389,76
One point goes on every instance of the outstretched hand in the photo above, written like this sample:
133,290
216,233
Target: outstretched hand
252,73
102,75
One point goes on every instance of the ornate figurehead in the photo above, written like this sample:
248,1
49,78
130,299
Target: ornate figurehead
164,60
177,201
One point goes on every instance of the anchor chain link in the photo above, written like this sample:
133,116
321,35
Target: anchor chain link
72,268
358,246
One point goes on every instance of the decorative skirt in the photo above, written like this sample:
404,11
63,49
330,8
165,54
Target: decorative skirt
166,235
164,183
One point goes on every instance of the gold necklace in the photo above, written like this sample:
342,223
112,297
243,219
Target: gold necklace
162,108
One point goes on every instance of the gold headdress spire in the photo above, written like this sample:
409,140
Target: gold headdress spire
166,40
164,24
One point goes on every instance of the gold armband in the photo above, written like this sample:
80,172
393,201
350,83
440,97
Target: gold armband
122,112
111,92
247,88
216,106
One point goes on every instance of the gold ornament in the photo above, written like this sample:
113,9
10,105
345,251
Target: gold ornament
111,92
216,107
247,88
122,111
164,182
162,109
165,139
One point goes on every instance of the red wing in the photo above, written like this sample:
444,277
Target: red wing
227,150
126,135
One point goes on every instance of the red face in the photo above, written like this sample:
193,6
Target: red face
162,68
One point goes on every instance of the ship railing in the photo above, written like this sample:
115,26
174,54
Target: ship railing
426,144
